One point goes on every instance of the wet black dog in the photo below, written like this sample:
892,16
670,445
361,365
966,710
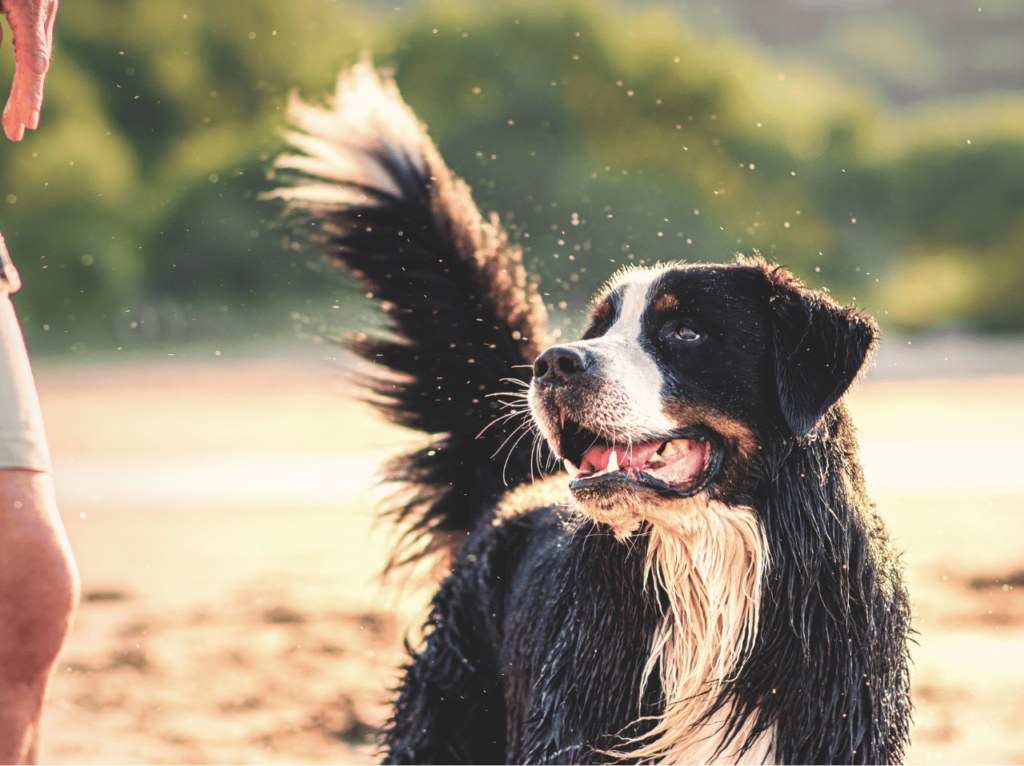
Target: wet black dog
709,582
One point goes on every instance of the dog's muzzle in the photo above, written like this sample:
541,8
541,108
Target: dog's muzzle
565,391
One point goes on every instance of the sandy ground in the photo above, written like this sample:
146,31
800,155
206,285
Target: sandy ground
221,509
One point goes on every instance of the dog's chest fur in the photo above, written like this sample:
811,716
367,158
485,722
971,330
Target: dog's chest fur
612,646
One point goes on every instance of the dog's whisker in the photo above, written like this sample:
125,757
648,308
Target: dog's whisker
509,394
509,456
517,381
535,455
501,419
524,426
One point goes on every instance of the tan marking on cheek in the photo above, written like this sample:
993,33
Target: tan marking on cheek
666,302
738,437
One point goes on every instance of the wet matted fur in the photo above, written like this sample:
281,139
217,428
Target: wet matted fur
709,583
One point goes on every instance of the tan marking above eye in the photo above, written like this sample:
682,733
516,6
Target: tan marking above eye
602,311
667,302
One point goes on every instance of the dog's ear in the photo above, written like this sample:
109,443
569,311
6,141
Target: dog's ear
820,347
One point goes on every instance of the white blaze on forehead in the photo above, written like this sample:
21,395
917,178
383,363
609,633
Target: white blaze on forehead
626,365
636,290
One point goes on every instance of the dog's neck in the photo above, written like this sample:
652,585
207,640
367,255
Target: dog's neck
707,561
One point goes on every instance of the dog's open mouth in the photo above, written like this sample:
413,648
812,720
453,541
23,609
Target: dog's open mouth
678,467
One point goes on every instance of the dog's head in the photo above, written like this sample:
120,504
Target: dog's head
684,374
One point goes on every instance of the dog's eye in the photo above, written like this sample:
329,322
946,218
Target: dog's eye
685,333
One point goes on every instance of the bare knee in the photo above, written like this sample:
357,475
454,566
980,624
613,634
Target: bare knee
38,595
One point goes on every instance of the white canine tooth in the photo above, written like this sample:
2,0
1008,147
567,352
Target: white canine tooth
570,469
613,462
671,448
561,418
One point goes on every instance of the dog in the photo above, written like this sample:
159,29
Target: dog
707,581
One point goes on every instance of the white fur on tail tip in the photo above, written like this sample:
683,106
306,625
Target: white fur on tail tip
365,115
710,559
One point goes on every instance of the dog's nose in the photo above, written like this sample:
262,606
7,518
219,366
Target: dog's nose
560,364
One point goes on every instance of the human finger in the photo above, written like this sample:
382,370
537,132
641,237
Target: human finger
32,28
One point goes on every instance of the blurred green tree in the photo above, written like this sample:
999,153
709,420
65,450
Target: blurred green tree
603,135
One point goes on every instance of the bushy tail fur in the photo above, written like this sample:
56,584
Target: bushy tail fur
368,188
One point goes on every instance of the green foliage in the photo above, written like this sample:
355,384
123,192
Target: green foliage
604,136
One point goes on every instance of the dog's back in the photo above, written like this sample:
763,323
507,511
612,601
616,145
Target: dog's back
739,604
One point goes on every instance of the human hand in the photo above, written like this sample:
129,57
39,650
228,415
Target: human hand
32,27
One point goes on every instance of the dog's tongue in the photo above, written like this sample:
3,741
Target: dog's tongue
684,465
680,465
597,458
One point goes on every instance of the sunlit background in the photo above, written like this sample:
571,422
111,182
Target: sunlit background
213,468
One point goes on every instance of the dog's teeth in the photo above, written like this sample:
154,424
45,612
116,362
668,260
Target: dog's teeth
670,449
570,469
613,462
561,418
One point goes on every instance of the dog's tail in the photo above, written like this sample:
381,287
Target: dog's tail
368,188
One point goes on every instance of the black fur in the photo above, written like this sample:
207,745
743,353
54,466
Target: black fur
537,641
529,661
